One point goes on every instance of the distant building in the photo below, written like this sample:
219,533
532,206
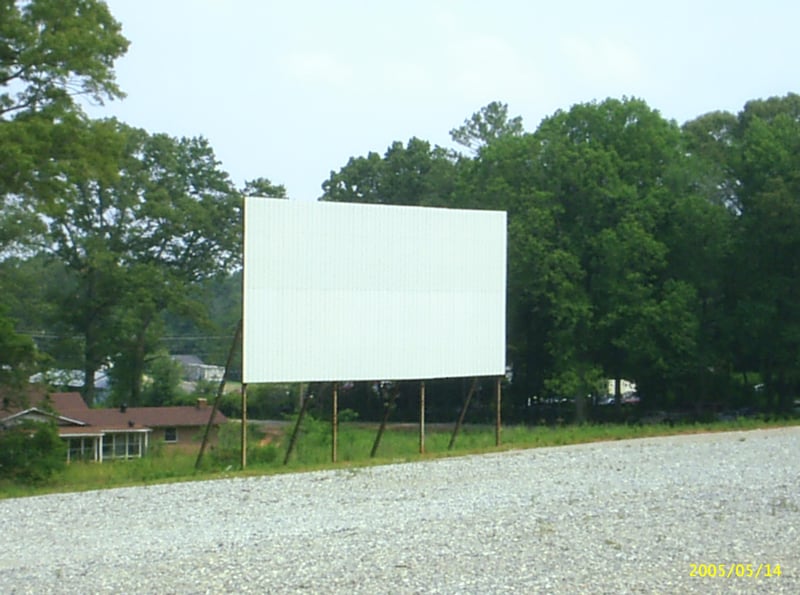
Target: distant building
66,380
625,386
195,370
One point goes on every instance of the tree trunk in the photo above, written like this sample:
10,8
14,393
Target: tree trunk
90,363
88,383
580,409
91,318
137,371
139,353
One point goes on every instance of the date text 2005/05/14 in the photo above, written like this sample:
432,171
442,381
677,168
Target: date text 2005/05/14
734,570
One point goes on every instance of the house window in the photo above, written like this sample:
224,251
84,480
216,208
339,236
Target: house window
108,446
81,449
127,445
170,434
134,445
120,446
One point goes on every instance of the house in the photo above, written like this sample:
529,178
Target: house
117,433
195,370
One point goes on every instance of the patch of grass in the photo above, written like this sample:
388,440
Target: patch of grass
400,443
83,476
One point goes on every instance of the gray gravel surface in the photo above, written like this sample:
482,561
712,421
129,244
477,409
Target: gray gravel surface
620,517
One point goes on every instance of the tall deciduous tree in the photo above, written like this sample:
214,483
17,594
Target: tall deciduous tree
414,174
613,166
548,309
17,357
136,218
487,125
52,50
637,249
767,281
589,195
263,187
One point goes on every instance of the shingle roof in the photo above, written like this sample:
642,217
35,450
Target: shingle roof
37,397
68,402
15,401
151,417
71,405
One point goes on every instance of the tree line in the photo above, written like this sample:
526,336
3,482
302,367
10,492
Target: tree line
639,248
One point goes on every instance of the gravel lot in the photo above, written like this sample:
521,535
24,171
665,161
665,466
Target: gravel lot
621,517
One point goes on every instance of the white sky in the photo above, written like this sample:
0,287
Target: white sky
290,90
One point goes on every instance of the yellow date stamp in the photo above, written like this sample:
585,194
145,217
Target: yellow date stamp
734,570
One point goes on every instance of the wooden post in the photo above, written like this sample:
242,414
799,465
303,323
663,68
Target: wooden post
334,421
384,421
460,421
220,390
244,425
300,416
422,417
498,401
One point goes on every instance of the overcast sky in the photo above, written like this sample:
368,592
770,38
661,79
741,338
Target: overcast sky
290,90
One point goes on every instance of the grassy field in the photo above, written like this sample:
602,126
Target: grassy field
399,443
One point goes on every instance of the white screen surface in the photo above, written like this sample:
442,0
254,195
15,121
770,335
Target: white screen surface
340,291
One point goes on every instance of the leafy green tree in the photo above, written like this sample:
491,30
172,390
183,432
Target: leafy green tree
195,214
17,356
637,248
612,166
165,379
263,187
487,125
33,290
52,50
137,219
24,308
766,282
710,141
206,328
700,239
590,197
414,174
31,452
548,309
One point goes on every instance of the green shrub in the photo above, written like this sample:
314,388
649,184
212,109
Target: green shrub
31,452
228,450
264,401
262,455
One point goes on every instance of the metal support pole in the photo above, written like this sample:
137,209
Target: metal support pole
498,404
335,421
244,425
464,408
422,417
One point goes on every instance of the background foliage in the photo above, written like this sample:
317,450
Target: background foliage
639,248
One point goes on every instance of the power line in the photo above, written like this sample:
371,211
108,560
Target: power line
46,335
